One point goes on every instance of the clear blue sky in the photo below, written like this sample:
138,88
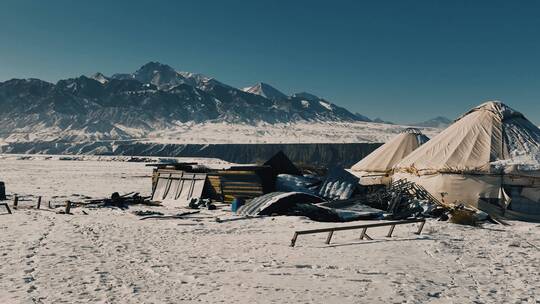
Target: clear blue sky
403,61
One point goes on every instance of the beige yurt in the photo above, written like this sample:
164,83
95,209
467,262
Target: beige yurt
488,158
376,168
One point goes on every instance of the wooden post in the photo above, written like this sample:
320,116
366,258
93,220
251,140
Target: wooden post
293,241
329,237
15,201
7,207
420,228
39,202
2,191
363,233
68,207
391,231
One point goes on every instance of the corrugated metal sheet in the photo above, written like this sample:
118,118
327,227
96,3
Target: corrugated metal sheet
176,189
274,201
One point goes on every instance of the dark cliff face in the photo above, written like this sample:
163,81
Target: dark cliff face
326,155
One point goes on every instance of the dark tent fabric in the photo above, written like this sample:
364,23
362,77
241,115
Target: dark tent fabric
277,203
353,209
303,204
281,164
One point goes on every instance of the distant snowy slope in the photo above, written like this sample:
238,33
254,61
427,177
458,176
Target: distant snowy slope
437,122
299,132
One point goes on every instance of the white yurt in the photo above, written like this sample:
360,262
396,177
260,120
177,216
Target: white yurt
488,158
376,168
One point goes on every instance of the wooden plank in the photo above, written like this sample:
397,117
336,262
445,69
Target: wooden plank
363,227
231,187
7,207
240,183
230,172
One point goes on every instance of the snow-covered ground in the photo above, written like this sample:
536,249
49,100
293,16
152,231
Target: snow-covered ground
110,256
220,133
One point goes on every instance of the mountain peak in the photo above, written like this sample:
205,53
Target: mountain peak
161,75
265,90
100,77
307,96
437,122
155,65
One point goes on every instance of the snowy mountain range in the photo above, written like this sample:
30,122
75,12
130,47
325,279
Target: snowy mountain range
155,97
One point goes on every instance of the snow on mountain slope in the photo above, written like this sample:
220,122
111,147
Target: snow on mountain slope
158,103
265,90
100,77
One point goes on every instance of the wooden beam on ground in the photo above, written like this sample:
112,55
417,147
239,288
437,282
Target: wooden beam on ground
7,207
364,228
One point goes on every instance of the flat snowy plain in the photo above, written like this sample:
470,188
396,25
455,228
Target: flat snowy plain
110,256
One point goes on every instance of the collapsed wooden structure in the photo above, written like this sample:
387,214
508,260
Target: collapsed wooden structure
177,184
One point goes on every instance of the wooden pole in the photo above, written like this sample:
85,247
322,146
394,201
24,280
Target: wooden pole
2,191
39,202
363,234
329,237
420,228
68,207
293,241
391,231
7,207
15,202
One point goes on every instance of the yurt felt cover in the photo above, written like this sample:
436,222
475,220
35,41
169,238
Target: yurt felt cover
491,138
386,156
489,158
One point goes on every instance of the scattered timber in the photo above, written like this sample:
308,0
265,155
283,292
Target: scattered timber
166,217
120,201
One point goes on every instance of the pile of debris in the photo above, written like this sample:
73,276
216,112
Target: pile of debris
404,199
281,188
278,187
120,201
